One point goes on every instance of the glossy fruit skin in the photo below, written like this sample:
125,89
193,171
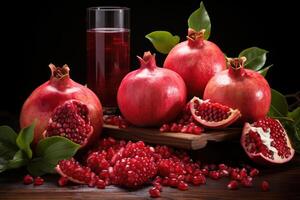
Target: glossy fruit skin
151,96
241,89
196,61
60,88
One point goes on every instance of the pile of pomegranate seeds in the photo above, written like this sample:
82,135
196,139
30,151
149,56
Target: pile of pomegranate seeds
133,164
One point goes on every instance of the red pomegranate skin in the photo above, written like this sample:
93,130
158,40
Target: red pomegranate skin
151,96
242,89
196,61
44,99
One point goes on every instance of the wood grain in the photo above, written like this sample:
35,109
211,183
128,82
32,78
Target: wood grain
179,140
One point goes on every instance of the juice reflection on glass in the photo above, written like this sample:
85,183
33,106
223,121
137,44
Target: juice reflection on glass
108,52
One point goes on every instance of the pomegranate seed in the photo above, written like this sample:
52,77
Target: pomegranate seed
165,181
222,166
243,173
38,181
158,186
205,171
27,179
254,172
224,173
173,182
265,186
247,181
182,185
233,185
199,179
100,184
154,192
63,181
214,175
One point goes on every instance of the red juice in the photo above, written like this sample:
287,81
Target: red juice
108,57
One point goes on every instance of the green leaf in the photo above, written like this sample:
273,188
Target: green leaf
199,20
8,146
50,151
279,106
163,41
25,138
256,58
295,115
20,159
294,135
264,71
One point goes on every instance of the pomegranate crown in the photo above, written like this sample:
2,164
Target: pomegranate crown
236,63
148,60
59,72
195,35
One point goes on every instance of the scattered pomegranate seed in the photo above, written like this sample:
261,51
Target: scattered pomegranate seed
63,181
100,184
247,181
222,166
214,175
265,186
27,179
182,185
154,192
254,172
233,185
38,181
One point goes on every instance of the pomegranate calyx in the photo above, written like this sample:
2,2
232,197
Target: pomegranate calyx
148,60
59,72
195,39
236,66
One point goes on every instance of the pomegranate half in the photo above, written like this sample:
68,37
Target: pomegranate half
45,99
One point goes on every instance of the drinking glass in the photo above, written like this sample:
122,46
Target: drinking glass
108,52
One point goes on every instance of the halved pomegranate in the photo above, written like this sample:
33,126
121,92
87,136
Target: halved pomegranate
266,142
213,115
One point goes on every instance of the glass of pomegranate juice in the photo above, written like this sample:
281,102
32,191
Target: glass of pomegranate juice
108,52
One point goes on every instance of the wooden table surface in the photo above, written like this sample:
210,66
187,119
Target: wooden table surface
284,183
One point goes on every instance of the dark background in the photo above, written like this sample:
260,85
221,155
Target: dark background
36,34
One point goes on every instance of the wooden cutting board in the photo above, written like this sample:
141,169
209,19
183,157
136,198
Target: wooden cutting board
179,140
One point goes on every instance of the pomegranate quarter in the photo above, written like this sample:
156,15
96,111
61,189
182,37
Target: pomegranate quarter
151,96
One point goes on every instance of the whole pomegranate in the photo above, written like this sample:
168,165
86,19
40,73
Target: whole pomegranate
151,96
242,89
196,61
79,120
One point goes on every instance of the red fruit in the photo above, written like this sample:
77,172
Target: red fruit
63,181
182,185
242,89
70,120
55,92
213,115
133,172
267,142
265,186
247,181
233,185
196,61
254,172
38,181
214,175
27,179
100,184
76,173
151,96
154,192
